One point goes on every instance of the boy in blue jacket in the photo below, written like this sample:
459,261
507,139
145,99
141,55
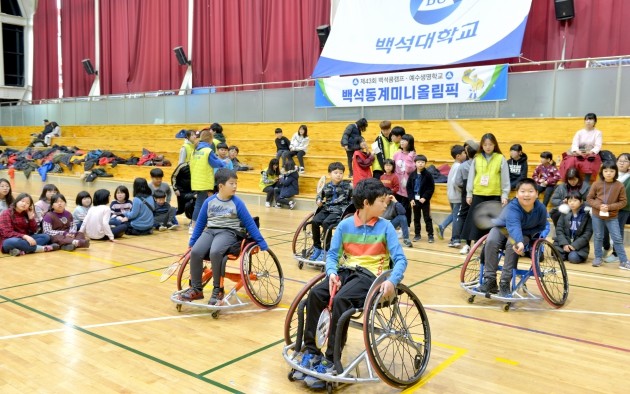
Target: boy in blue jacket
525,219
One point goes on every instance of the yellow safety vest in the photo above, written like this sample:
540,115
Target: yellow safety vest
201,174
491,169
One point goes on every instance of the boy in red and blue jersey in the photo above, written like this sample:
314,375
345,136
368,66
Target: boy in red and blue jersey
368,242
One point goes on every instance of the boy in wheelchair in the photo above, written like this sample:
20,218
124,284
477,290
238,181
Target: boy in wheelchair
333,200
525,218
223,221
369,242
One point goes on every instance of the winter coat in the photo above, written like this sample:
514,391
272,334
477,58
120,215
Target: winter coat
582,236
289,184
518,170
351,137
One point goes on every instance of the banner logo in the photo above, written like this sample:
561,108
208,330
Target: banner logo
428,12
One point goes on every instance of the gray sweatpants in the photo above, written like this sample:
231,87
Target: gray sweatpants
213,241
495,242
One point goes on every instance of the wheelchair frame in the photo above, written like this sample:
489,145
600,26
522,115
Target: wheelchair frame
256,274
383,324
547,268
302,243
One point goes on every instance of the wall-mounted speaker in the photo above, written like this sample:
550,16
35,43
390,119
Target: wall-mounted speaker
323,32
564,9
88,67
181,56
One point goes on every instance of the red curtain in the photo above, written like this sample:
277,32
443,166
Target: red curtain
77,35
598,30
244,41
45,59
137,41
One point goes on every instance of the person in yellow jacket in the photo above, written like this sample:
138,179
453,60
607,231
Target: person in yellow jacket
380,147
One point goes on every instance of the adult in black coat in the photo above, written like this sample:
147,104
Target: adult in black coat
351,139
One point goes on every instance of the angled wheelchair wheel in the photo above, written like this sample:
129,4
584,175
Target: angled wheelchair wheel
262,275
550,273
293,328
302,244
183,275
471,270
397,336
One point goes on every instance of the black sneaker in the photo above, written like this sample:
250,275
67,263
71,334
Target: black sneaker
431,239
217,295
489,286
504,289
417,238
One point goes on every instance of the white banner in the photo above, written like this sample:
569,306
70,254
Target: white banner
371,36
454,85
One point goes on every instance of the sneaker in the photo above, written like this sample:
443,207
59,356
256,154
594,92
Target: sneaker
301,171
454,244
611,259
407,243
465,249
504,289
622,266
324,367
162,228
399,232
316,253
291,204
417,238
309,361
51,247
440,231
172,226
16,252
431,239
606,252
190,294
267,204
191,228
69,247
277,205
489,286
597,262
217,295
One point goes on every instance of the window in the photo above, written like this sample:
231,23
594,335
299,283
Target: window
10,7
13,41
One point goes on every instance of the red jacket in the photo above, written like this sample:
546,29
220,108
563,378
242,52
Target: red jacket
361,166
391,182
15,225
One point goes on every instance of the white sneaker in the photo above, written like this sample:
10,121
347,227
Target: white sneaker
291,204
162,228
399,232
301,170
267,205
464,250
190,229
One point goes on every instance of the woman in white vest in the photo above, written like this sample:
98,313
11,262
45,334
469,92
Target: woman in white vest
488,180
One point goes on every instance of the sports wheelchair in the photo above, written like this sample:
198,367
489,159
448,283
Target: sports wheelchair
302,244
259,272
546,267
396,338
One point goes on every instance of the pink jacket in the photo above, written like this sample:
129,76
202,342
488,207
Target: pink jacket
548,173
405,166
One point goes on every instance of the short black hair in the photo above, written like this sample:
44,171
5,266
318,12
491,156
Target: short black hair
159,193
123,189
526,181
336,165
223,175
368,189
362,124
57,197
456,150
609,164
278,130
222,145
101,197
234,147
575,195
590,115
420,158
156,173
141,188
398,131
80,196
48,187
216,128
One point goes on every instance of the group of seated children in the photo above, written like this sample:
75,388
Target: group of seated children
46,225
280,185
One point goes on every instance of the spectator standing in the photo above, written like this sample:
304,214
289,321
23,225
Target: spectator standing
351,139
381,148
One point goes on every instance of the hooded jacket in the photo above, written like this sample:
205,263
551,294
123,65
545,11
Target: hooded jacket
518,170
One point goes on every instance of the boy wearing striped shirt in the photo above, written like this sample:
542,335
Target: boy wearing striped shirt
368,243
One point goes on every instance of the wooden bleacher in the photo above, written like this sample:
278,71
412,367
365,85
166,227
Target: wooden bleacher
433,138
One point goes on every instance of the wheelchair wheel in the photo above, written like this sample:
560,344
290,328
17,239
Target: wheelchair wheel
550,273
397,337
302,244
183,275
471,270
262,276
291,324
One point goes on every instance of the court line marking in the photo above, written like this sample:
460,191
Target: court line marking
122,346
459,353
506,361
576,311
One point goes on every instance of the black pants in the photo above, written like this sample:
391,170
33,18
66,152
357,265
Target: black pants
422,209
548,192
289,155
354,288
404,201
350,153
326,220
460,218
270,193
471,232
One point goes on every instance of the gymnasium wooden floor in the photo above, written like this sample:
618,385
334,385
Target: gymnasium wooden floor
99,320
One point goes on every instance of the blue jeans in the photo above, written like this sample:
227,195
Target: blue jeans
451,217
201,198
20,244
401,220
598,235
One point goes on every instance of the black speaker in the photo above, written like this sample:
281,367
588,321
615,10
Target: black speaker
181,56
564,9
89,68
322,33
